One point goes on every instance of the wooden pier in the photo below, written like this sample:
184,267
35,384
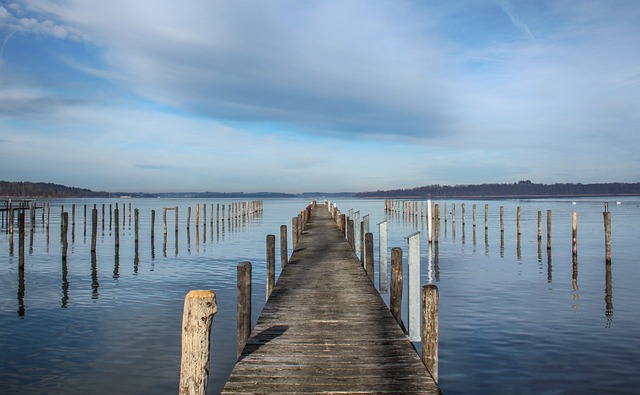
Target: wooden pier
325,328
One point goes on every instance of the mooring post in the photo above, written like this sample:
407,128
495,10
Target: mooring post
395,301
94,228
65,227
607,233
368,247
271,263
430,329
574,234
294,230
244,304
284,254
548,229
199,308
350,234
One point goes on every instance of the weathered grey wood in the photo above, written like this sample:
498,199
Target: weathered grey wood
368,246
574,233
244,303
430,329
607,233
271,263
395,301
284,254
199,308
325,328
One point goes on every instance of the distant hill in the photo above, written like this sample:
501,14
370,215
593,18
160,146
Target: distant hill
522,189
44,190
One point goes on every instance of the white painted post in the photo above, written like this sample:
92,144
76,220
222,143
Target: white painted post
356,226
414,286
382,245
429,220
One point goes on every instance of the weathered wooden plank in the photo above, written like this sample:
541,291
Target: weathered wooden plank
325,328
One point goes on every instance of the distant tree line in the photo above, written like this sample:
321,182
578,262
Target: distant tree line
519,189
44,190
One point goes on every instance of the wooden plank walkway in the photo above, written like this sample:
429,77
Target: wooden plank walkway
325,328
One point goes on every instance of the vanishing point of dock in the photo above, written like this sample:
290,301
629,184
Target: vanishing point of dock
325,328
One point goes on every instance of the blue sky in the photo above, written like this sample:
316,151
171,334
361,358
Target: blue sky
294,96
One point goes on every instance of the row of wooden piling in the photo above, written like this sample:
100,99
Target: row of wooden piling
417,209
429,334
200,307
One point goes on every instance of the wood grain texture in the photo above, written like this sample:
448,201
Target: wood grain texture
325,328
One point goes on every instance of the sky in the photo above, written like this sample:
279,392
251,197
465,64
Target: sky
299,96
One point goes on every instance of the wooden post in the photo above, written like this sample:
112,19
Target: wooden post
94,228
474,215
518,215
574,234
395,301
189,217
539,225
284,254
116,230
368,246
153,223
199,308
271,263
501,219
294,230
177,225
350,234
244,304
607,233
548,229
486,216
430,329
65,227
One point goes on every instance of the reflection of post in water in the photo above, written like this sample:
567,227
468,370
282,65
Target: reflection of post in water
164,246
21,283
549,267
94,274
436,262
574,277
519,247
176,238
65,285
501,244
608,291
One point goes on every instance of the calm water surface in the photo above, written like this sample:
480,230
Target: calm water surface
513,317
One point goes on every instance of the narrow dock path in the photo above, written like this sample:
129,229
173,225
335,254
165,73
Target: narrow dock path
325,328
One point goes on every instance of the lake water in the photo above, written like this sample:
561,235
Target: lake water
513,318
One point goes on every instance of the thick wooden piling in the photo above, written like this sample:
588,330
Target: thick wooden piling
94,229
368,246
430,329
284,254
244,304
199,308
271,263
395,301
